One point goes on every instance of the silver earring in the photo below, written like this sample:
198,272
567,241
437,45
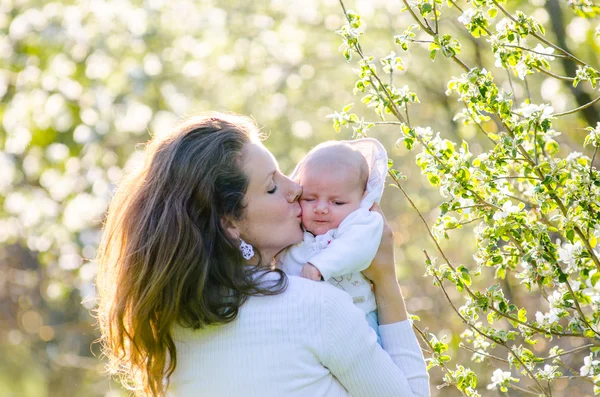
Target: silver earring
247,250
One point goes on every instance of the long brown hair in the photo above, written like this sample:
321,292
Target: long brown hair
165,257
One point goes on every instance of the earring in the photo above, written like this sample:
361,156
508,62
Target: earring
247,250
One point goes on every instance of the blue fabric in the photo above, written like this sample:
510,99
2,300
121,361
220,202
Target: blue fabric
373,321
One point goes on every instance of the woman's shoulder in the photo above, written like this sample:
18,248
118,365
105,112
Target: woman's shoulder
304,289
318,292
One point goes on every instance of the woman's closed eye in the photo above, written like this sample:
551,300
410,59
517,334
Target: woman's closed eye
272,190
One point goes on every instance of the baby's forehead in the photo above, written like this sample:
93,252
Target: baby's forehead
340,166
335,156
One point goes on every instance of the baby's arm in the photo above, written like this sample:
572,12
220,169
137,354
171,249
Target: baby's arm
353,247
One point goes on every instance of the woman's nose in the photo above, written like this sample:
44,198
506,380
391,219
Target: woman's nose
294,192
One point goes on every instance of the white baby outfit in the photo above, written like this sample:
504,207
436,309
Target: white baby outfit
341,254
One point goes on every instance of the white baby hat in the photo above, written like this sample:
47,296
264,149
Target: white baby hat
377,159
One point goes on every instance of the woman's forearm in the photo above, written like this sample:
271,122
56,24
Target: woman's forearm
390,302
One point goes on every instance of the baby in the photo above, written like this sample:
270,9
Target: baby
340,182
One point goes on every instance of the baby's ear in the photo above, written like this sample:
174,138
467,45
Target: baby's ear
230,227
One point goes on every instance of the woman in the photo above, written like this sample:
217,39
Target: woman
191,305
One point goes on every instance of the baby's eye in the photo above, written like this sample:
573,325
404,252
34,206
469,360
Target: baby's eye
272,190
339,203
307,199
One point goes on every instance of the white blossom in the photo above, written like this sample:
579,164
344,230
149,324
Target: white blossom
498,378
588,365
507,209
573,156
544,111
555,300
568,254
425,133
548,372
548,51
521,69
467,16
546,319
505,24
466,203
593,137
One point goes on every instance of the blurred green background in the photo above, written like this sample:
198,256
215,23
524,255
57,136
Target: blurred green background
84,83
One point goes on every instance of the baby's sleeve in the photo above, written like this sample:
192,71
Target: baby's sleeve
293,258
354,246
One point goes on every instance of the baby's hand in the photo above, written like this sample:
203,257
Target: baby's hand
310,272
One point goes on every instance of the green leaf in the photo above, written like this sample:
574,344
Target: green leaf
594,279
425,9
522,315
551,147
589,333
348,54
433,179
348,107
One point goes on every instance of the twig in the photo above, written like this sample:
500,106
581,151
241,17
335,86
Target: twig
527,88
443,254
583,318
510,82
437,27
373,74
556,76
587,105
513,386
497,341
386,122
465,223
479,125
568,352
456,5
424,338
516,177
430,32
529,203
540,38
534,51
484,354
424,27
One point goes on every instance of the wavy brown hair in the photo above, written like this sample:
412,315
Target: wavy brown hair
166,258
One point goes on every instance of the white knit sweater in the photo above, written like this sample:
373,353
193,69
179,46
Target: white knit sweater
309,341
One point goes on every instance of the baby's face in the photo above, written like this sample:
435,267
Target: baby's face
328,196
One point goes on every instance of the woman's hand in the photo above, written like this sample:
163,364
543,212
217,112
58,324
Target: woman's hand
383,267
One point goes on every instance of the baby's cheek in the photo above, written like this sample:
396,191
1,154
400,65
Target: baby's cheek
304,205
305,212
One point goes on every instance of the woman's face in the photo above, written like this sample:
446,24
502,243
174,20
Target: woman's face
272,216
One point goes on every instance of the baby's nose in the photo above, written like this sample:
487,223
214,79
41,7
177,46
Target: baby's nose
321,209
